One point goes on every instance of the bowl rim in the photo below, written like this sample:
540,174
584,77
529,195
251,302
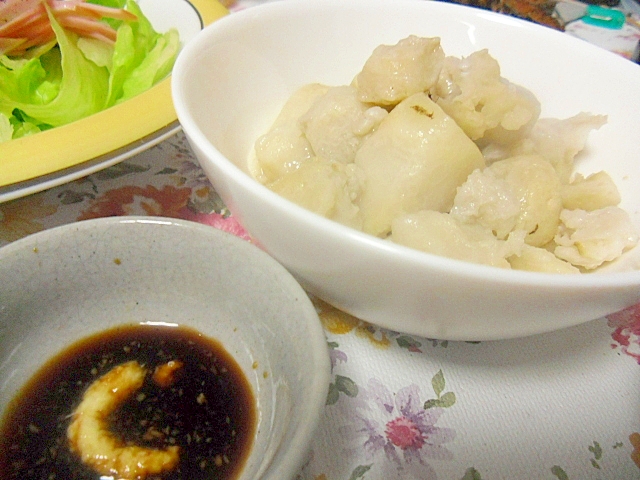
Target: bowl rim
285,462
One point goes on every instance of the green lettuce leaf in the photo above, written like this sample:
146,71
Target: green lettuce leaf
155,66
24,125
141,57
80,77
98,51
20,79
82,86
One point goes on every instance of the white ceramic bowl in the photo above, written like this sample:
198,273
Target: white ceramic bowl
230,82
67,283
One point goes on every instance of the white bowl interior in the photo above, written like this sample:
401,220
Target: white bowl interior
231,81
249,64
76,280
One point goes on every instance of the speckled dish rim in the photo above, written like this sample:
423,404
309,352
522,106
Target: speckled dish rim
284,462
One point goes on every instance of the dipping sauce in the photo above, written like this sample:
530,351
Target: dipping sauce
194,397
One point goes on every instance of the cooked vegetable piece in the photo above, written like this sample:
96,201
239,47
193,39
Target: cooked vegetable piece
414,161
337,123
591,193
395,72
534,182
536,259
460,166
284,147
324,187
484,104
441,234
588,239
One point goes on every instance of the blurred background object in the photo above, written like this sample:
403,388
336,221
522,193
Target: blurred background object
538,11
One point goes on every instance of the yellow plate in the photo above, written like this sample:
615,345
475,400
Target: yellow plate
65,153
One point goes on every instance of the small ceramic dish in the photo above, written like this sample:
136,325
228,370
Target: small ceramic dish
70,282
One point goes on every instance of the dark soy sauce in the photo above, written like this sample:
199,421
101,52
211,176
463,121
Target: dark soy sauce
206,407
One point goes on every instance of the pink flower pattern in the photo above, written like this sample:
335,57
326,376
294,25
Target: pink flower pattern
626,333
401,429
228,224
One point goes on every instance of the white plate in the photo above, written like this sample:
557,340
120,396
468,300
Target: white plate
69,152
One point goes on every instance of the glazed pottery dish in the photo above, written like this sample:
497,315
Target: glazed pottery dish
226,320
231,82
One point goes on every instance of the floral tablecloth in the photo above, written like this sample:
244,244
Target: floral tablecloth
564,405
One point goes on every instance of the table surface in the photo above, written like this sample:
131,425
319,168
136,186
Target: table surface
563,405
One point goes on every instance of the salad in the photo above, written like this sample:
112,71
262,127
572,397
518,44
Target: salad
63,60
